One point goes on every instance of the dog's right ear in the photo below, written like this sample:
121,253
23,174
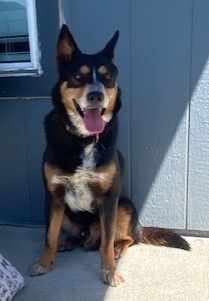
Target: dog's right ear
110,47
66,45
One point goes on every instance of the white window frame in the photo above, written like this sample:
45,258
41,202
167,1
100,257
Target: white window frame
26,68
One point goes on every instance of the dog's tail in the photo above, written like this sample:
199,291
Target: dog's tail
151,235
163,237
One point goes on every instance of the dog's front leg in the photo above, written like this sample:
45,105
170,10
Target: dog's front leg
57,208
108,217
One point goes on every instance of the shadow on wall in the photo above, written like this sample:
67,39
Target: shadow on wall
170,48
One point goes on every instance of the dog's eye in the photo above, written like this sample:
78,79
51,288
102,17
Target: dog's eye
107,76
77,76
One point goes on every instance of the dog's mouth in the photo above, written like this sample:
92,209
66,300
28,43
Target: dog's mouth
92,118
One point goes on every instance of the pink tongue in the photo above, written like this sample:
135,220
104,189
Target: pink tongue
93,120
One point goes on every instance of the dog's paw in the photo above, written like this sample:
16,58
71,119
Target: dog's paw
38,269
112,279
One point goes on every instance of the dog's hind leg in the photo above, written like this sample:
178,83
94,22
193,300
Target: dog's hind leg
122,246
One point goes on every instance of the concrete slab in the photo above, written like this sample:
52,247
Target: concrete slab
151,273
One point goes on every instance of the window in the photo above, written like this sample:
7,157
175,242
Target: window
19,53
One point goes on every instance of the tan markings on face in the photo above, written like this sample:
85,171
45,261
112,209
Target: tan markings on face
85,69
102,69
112,96
67,96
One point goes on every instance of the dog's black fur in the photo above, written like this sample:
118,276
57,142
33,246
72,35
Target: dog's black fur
81,161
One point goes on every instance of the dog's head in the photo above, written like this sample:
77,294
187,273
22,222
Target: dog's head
87,86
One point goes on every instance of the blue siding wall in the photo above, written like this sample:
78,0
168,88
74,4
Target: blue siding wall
162,56
14,190
22,136
198,169
24,102
160,83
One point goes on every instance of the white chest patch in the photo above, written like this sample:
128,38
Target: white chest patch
79,196
88,157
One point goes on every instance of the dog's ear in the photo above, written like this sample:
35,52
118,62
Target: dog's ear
110,46
66,45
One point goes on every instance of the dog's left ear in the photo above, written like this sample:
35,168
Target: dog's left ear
110,47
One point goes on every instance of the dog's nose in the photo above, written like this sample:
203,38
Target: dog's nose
95,96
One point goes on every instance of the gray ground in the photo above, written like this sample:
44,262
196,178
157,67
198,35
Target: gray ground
151,273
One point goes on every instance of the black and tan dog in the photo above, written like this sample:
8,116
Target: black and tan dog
82,168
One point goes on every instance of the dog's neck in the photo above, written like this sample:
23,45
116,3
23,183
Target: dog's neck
69,129
66,148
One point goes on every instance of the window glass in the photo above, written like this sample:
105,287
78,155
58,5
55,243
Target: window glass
14,37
